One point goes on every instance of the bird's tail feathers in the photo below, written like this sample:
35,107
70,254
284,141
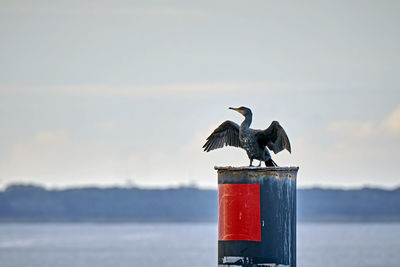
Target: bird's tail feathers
270,163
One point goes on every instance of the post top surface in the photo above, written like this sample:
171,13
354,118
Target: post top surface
257,169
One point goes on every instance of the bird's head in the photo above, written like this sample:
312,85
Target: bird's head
243,110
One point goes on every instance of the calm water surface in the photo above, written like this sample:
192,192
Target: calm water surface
179,244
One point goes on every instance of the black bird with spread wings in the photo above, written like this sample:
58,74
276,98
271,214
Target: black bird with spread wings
255,142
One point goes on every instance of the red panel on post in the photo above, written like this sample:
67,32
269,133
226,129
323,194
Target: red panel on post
239,212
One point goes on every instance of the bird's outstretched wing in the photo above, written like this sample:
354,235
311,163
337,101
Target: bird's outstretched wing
227,134
274,137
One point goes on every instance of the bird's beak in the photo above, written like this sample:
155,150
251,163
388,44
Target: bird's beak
235,109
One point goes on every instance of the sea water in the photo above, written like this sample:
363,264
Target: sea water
185,244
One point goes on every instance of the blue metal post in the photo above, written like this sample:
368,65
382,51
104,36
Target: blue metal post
257,216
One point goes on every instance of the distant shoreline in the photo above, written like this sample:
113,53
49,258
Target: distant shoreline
34,204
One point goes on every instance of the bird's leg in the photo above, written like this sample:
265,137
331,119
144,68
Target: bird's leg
259,165
251,163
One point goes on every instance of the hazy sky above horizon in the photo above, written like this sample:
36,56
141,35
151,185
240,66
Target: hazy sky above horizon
96,93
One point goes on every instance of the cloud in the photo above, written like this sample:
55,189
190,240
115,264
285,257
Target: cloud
45,137
54,157
353,130
392,122
163,90
350,153
107,11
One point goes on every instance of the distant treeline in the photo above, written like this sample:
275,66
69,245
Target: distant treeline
20,203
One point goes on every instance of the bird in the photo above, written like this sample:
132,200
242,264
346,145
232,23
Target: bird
255,142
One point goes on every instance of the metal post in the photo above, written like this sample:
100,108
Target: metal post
257,216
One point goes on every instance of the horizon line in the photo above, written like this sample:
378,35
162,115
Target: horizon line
180,186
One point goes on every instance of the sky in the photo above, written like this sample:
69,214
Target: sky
125,92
